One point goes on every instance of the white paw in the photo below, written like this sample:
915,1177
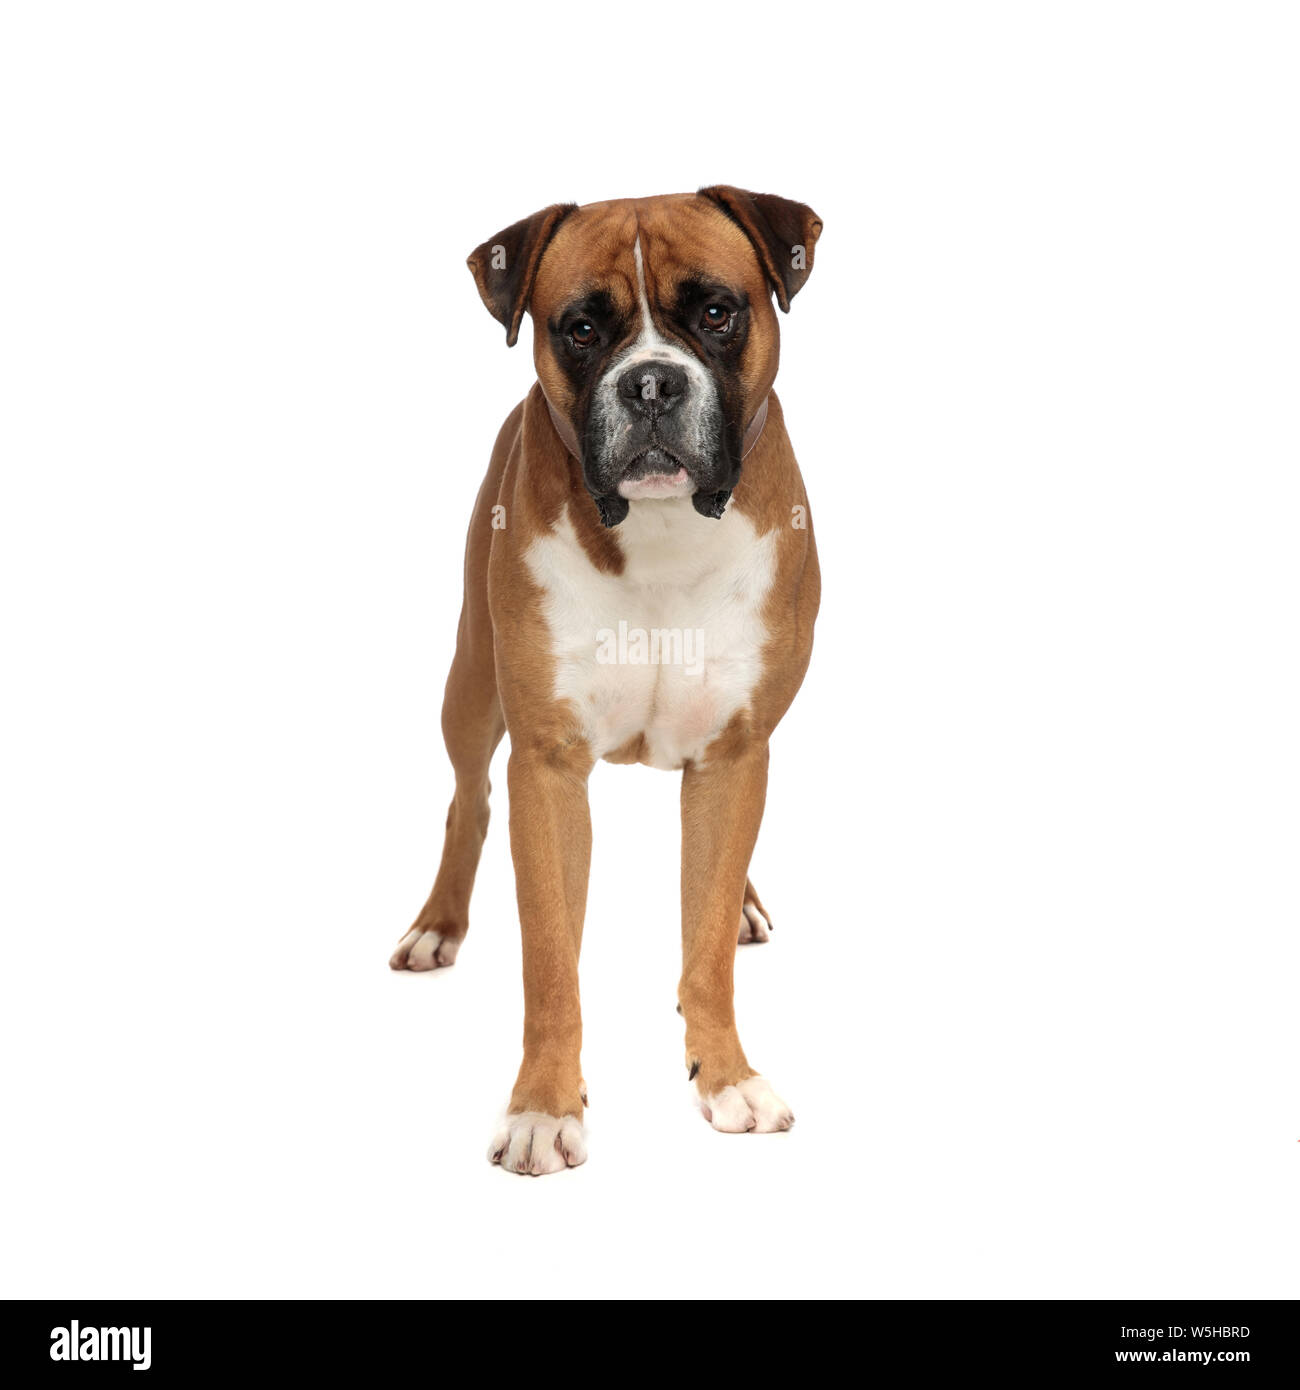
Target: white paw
424,950
751,1106
753,925
536,1143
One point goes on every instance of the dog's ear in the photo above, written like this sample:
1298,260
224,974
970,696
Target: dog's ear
784,234
505,266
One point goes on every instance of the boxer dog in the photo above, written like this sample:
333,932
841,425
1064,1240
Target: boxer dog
640,586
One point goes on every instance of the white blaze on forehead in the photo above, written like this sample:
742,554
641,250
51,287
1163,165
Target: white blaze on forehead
650,342
640,280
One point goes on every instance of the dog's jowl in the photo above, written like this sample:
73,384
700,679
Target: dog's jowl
640,586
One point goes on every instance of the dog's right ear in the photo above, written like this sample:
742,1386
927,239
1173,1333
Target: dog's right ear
505,266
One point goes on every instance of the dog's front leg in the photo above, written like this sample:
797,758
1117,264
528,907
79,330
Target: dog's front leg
722,806
550,839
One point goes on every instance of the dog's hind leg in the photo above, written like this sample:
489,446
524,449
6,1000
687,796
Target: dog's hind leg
755,924
472,725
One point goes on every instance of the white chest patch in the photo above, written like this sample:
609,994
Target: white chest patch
671,648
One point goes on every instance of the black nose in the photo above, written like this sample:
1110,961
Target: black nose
652,388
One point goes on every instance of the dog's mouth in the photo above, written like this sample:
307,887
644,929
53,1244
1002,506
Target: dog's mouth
655,473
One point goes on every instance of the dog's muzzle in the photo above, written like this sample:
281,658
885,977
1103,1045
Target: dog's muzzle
613,508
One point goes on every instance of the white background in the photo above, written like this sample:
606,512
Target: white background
1031,835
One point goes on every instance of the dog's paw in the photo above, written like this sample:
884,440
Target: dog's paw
754,926
424,950
749,1107
535,1143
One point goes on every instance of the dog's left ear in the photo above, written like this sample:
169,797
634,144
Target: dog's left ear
784,234
505,266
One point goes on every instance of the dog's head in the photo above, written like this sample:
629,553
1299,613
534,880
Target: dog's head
654,334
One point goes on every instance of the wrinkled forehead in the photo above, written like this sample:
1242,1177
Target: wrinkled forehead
679,238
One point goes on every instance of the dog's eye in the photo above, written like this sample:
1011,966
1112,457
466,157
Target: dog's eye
717,318
583,333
